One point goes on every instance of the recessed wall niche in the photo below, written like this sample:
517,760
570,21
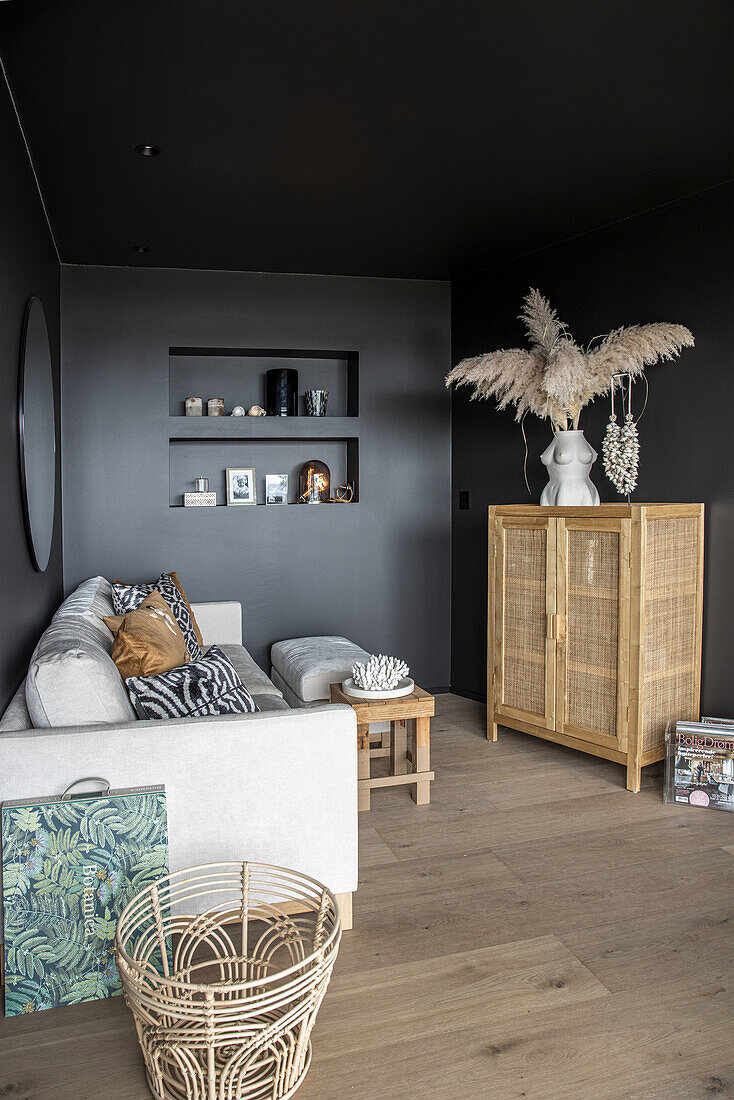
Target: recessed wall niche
193,457
238,376
206,446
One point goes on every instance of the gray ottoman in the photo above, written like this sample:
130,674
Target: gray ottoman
303,669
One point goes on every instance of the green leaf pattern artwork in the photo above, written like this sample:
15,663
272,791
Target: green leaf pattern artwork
69,869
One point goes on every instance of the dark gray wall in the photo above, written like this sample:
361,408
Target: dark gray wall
377,571
672,265
28,265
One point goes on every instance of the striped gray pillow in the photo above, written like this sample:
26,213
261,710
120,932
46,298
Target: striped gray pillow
207,686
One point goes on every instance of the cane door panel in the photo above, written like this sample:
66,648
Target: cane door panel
524,610
593,637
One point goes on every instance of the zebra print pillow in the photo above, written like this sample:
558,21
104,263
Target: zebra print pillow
128,597
207,686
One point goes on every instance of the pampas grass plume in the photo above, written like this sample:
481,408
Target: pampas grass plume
557,378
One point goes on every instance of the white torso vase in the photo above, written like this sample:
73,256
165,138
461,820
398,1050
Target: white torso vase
569,459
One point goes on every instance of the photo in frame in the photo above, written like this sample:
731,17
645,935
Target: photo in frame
276,488
241,488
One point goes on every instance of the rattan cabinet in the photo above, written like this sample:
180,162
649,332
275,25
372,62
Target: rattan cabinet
594,625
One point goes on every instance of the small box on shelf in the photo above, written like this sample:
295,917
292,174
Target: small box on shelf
200,500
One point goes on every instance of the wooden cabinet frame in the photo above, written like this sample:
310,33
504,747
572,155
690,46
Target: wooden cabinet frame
621,528
637,739
547,719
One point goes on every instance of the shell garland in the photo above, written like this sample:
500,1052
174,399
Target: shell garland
621,454
611,450
379,673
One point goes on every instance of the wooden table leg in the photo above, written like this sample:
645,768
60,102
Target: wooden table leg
398,747
421,792
363,766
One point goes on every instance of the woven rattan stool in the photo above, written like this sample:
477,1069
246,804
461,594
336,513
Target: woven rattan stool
224,967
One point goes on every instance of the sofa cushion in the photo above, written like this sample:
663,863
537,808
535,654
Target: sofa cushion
148,640
294,701
127,597
270,702
251,675
309,665
93,599
207,686
72,680
16,715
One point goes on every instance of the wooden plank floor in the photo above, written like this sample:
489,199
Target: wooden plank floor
536,931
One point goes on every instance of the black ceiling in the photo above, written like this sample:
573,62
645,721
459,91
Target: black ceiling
375,137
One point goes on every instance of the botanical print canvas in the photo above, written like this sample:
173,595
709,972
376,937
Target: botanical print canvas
69,869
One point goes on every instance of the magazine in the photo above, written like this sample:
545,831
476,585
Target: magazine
699,764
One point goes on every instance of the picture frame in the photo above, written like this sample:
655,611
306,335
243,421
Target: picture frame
241,485
276,488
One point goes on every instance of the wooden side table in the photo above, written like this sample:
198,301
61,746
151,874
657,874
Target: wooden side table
418,708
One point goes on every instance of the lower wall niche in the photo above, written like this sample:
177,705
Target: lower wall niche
192,458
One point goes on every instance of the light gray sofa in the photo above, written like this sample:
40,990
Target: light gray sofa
278,786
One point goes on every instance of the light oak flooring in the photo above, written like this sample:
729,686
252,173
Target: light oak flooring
536,931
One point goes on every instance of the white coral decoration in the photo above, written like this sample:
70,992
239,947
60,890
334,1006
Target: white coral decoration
380,673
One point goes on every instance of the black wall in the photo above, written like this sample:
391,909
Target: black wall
28,265
377,571
675,264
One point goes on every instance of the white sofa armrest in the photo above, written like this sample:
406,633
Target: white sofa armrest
220,623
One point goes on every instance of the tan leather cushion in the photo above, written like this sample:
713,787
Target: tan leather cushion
148,641
184,597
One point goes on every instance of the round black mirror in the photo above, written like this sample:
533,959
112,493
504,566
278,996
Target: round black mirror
37,434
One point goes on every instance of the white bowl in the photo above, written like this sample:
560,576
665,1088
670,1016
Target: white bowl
405,687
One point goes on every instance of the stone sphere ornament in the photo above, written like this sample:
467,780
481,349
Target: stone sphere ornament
256,410
237,411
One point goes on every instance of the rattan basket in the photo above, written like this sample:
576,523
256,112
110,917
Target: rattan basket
224,967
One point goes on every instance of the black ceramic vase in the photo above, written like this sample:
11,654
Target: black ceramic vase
282,392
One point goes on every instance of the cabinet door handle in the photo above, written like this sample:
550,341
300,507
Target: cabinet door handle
555,627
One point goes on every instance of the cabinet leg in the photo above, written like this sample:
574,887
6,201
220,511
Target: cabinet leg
491,730
634,775
363,766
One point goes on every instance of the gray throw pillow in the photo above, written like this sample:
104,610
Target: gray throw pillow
207,686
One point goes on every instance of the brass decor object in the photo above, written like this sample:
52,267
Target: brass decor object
594,625
224,968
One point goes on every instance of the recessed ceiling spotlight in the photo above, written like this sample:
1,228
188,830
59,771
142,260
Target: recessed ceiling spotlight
141,248
148,150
